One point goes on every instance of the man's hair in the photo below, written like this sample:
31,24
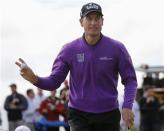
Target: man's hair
29,91
13,85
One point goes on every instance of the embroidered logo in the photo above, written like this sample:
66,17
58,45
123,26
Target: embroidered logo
80,57
92,6
105,58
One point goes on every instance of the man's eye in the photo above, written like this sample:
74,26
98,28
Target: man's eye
88,18
97,18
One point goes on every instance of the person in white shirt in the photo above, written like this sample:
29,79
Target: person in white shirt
39,97
29,114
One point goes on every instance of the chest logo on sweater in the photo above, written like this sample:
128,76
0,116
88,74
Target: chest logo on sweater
105,58
80,57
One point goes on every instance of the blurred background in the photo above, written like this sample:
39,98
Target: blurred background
35,30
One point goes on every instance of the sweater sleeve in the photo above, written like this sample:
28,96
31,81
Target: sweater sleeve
59,72
128,77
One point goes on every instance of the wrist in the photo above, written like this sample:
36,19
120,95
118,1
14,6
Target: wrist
34,79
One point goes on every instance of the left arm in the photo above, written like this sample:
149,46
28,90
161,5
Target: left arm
129,80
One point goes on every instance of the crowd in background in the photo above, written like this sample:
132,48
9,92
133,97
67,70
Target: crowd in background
150,99
36,111
148,106
41,113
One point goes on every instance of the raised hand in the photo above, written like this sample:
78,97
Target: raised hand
26,72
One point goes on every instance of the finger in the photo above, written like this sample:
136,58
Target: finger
127,123
130,125
22,61
18,64
23,66
21,73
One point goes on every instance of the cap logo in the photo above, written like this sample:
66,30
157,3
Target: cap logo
91,6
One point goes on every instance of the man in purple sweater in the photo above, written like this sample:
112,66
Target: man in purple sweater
94,61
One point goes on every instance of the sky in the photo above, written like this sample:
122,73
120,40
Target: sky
36,30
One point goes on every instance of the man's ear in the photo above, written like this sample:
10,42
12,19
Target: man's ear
102,21
81,22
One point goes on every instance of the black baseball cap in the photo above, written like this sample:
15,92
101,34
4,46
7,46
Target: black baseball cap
90,7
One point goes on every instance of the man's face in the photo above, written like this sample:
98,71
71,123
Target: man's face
92,23
31,95
13,89
40,91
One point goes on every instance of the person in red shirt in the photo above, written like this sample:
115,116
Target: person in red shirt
51,108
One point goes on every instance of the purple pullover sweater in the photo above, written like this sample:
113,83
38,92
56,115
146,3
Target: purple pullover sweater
94,74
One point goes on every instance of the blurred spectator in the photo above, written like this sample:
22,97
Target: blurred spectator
162,82
39,97
148,79
29,114
156,80
64,92
38,100
66,84
15,104
153,80
64,97
51,108
149,107
162,116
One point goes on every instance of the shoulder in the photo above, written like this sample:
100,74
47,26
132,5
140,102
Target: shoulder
71,45
20,95
8,97
112,41
68,49
115,45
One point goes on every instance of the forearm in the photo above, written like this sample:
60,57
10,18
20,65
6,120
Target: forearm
129,94
128,76
47,83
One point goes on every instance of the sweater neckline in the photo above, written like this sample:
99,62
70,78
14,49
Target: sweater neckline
85,43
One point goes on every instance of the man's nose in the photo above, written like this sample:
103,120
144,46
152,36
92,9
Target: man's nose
93,22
